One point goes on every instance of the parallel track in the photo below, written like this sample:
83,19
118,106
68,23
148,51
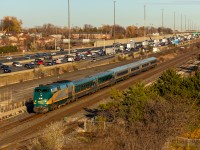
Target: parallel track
21,135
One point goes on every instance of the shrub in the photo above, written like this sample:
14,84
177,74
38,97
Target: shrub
8,49
52,138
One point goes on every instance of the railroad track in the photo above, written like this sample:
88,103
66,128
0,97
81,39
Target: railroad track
34,125
4,128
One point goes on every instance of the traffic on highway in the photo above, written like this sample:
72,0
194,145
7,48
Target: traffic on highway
19,63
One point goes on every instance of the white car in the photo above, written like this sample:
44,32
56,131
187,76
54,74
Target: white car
88,55
53,54
9,57
17,64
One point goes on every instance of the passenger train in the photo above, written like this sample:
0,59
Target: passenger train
52,96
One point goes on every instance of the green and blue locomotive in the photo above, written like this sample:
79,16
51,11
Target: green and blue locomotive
52,96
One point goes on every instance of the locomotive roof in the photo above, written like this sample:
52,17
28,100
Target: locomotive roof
61,84
134,64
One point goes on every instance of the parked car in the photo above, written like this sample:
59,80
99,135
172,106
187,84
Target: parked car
7,70
17,64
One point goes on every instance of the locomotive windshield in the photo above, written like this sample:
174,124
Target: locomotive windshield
41,90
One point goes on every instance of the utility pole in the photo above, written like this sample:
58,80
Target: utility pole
144,22
185,23
162,21
114,24
174,21
69,36
2,25
181,23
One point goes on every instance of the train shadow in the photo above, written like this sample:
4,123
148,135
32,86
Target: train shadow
29,106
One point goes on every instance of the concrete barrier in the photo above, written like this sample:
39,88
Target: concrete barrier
12,110
123,41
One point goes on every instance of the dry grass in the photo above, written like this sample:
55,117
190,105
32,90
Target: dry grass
52,138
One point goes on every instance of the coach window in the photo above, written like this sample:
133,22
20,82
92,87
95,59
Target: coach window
153,62
133,69
145,65
122,73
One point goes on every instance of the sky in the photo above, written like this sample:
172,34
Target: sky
98,12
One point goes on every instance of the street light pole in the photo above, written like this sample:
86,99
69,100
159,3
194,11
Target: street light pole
69,36
162,20
181,23
2,25
144,22
185,23
114,24
174,21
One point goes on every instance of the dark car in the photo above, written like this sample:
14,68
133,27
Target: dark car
7,70
49,63
77,58
4,67
28,57
37,59
29,66
38,55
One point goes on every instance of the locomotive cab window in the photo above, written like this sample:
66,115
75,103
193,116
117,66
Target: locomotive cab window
45,90
38,90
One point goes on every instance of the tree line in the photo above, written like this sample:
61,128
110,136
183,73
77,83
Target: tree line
13,25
